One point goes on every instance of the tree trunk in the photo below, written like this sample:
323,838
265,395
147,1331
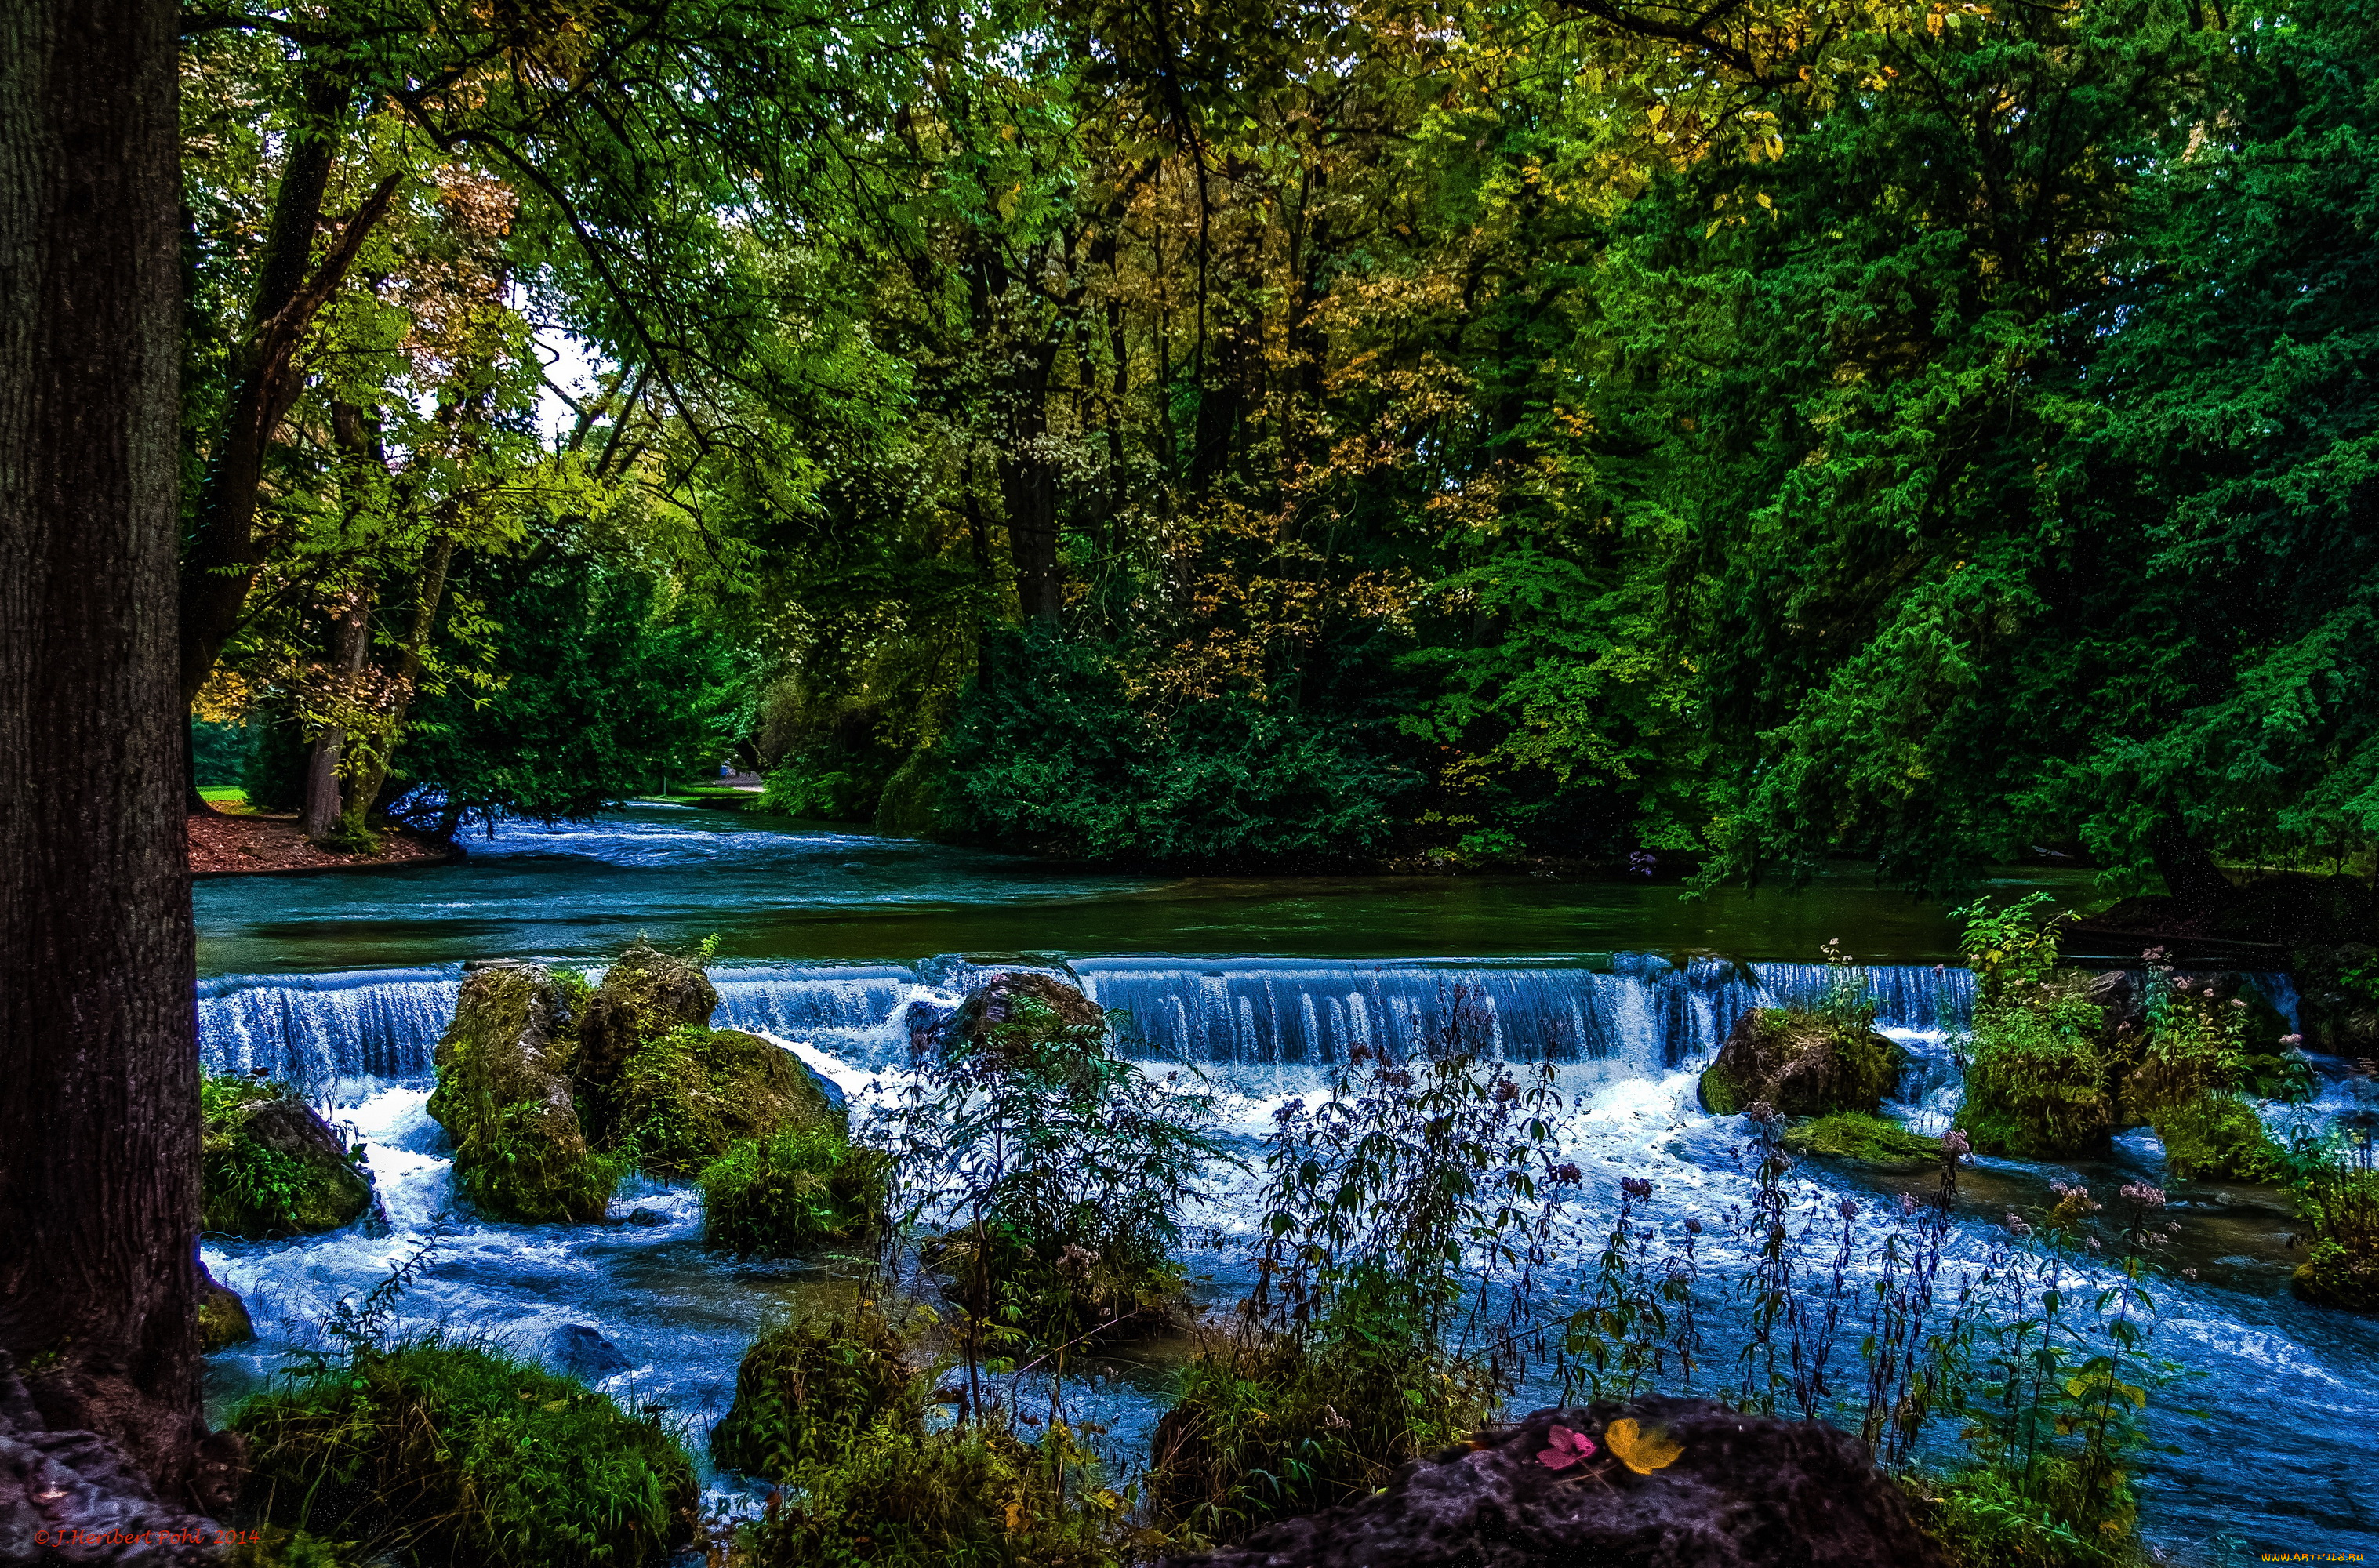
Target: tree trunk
99,1104
432,591
2188,870
350,639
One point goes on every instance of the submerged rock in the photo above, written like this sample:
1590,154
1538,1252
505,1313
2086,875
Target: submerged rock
271,1167
1743,1491
1802,1064
504,1096
1854,1138
583,1352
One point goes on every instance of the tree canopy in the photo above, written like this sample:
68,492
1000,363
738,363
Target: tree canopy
1323,430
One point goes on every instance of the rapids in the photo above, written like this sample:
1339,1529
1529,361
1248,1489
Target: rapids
1263,988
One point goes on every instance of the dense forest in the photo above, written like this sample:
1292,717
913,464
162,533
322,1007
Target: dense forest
1930,432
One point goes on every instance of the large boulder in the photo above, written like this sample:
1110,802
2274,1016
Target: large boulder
269,1166
504,1097
683,1099
645,994
1802,1063
1746,1491
1012,996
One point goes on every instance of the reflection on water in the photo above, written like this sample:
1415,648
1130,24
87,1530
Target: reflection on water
773,890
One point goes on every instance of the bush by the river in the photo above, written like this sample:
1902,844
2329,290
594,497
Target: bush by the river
449,1452
2338,1196
807,1390
2036,1078
792,1191
269,1167
2193,1082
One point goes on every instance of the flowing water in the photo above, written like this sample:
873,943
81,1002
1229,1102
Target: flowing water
837,945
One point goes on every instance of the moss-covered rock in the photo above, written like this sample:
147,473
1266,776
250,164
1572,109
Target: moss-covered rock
1854,1138
1802,1064
806,1391
785,1194
269,1167
645,995
446,1453
683,1099
504,1097
223,1316
1014,997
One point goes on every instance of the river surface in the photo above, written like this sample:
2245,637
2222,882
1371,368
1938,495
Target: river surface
836,944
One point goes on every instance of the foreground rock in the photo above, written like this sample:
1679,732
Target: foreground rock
269,1167
1802,1064
1010,997
73,1496
1746,1492
223,1316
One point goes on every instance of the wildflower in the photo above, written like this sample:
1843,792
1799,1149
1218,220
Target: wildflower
1846,1208
2291,1039
1507,1091
2239,1003
1908,1203
1761,1111
2091,1242
2015,1224
1568,1176
1636,1187
1568,1448
1693,1226
1358,1051
2146,1196
1955,1144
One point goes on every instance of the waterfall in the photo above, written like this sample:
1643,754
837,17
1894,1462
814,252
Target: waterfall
1642,1015
314,1029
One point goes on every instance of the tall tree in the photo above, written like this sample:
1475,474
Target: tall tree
99,1111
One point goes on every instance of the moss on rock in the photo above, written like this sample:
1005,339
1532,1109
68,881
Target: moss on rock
1854,1138
505,1098
804,1392
2213,1136
438,1452
684,1098
2038,1078
269,1167
223,1316
645,995
1802,1064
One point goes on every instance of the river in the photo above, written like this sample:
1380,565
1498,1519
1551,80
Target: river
834,943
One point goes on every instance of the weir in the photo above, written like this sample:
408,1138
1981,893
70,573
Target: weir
1643,1014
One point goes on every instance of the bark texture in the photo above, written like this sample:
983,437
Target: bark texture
99,1111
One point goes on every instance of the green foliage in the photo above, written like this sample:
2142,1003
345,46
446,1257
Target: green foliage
607,687
2038,1079
219,752
805,1393
1059,1170
792,1191
1047,748
1984,1518
831,795
2336,1183
272,1186
684,1098
972,1496
449,1451
2189,1083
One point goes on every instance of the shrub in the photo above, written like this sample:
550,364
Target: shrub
972,1496
1058,1169
784,1194
1987,1522
2188,1080
2337,1194
445,1452
2036,1078
806,1391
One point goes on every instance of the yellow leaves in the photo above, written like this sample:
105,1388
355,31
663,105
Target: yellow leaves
1656,113
1642,1449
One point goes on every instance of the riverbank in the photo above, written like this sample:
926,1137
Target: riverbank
267,846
